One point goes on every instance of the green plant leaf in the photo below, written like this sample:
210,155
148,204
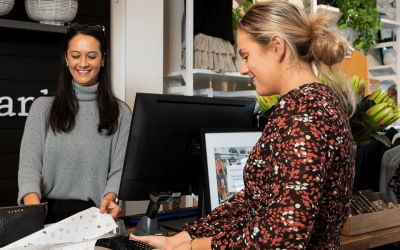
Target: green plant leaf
363,16
381,138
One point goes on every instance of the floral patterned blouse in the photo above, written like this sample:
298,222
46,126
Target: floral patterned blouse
298,180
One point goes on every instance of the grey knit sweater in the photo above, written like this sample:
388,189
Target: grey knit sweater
81,164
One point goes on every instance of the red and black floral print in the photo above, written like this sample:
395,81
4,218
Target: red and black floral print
298,180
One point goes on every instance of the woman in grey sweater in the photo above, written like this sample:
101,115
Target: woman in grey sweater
74,142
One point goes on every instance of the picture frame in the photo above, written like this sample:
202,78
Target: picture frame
225,152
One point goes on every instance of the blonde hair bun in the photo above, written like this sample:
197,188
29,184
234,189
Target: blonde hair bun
325,46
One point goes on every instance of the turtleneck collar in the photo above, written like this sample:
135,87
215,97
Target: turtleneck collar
85,93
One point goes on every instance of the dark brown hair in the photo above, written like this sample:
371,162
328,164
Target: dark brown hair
65,105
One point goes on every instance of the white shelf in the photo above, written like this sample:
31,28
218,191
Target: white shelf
383,70
387,23
382,45
249,94
208,75
330,8
389,78
209,92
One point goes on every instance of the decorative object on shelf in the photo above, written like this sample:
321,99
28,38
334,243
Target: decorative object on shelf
363,16
213,37
210,53
387,8
54,12
391,13
373,112
390,56
6,6
382,6
348,34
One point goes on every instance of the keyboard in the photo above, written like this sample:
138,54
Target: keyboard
121,242
176,213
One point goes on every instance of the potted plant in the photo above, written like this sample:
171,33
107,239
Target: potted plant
374,112
364,18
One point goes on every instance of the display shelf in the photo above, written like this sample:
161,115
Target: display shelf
208,75
248,94
387,23
380,70
389,78
330,8
382,45
13,24
209,92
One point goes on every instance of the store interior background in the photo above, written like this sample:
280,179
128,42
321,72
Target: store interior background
145,38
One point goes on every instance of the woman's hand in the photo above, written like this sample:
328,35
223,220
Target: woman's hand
110,207
162,242
203,243
31,199
158,242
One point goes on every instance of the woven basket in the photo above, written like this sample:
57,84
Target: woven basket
55,12
6,6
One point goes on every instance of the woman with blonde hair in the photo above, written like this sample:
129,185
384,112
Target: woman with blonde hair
299,176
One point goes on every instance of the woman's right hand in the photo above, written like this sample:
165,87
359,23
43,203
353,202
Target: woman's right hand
31,199
162,242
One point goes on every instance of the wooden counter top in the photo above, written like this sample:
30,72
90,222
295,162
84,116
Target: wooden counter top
357,242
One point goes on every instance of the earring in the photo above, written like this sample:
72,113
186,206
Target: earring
66,64
278,59
102,65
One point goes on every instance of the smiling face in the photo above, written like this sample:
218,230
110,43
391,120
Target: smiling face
259,64
84,59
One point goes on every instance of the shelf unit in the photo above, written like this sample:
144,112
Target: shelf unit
386,44
387,74
184,81
22,25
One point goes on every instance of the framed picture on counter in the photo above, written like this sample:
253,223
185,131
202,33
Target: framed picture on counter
225,152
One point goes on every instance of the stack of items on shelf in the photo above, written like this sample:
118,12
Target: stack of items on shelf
213,37
211,53
370,202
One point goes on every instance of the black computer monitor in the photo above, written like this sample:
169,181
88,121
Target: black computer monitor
162,153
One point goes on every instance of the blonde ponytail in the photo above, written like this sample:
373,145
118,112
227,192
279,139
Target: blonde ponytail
309,39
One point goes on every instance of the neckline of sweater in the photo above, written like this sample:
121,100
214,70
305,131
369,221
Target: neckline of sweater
85,93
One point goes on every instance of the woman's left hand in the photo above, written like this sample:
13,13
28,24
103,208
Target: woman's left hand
110,207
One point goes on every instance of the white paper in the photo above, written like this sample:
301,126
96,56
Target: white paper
235,177
79,231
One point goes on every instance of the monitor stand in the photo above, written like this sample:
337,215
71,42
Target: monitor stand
148,224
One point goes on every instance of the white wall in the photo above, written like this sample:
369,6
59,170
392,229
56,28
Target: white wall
137,56
118,42
137,47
